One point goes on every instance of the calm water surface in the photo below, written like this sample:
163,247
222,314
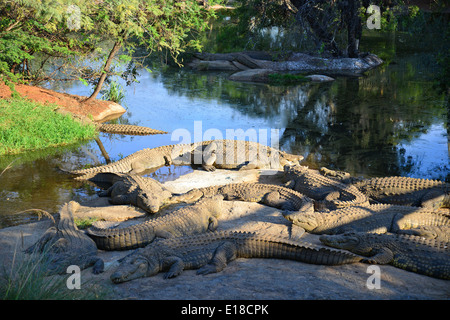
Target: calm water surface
392,121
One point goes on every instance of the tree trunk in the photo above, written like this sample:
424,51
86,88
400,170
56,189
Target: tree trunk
353,28
105,71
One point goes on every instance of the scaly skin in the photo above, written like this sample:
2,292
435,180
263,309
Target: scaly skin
267,194
65,245
143,192
431,194
329,192
127,129
440,233
197,218
235,154
211,154
421,255
377,218
210,253
134,164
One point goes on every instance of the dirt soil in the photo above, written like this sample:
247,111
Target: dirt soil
98,110
249,279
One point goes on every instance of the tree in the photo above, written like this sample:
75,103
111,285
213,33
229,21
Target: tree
335,25
162,26
30,27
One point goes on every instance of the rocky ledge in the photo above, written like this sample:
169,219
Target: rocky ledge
256,66
250,279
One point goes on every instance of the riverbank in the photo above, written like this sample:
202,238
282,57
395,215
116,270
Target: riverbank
26,126
242,279
38,118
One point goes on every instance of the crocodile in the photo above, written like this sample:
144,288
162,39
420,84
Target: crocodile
327,192
376,218
432,194
428,193
64,244
211,252
127,129
417,254
211,154
267,194
199,217
235,154
142,192
440,233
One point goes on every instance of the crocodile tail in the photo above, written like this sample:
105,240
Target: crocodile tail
132,237
129,129
308,253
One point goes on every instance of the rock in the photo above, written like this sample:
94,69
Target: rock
215,65
100,208
319,78
252,75
298,62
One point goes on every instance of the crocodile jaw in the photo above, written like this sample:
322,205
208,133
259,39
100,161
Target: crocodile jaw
302,219
345,241
130,269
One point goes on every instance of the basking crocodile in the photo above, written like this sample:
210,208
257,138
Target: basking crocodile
64,245
417,254
223,154
267,194
127,129
331,193
376,218
431,194
440,233
143,192
196,218
235,154
210,253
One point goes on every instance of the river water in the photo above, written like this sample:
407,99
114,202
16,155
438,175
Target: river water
392,121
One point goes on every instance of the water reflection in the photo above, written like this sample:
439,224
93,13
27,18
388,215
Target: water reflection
389,122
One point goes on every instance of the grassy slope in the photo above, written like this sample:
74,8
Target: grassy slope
27,126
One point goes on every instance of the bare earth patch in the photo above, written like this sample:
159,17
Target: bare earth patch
97,110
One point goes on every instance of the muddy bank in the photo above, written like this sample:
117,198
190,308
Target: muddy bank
97,110
265,279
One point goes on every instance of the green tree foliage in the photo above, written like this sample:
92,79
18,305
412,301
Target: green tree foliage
30,27
168,27
61,28
331,26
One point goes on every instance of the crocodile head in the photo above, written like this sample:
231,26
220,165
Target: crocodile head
182,155
152,202
350,241
289,159
133,267
306,220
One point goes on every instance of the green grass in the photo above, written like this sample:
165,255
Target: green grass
27,279
26,126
